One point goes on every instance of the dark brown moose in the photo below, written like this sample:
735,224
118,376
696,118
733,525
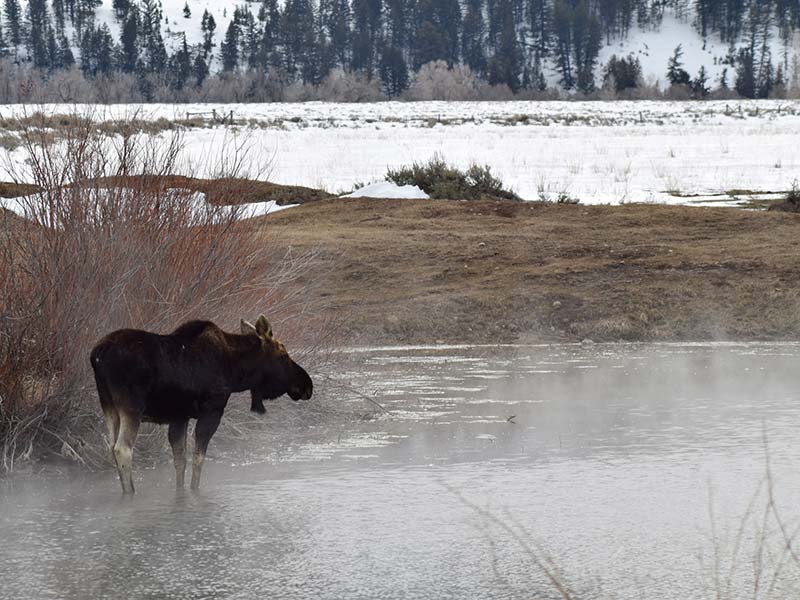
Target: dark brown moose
188,374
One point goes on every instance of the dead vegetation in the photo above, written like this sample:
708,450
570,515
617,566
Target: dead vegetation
790,202
226,191
419,271
106,246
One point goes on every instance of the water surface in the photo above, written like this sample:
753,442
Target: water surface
622,470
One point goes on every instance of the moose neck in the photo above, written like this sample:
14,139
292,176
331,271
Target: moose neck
246,359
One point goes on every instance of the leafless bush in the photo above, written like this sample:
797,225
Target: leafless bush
341,86
108,243
437,81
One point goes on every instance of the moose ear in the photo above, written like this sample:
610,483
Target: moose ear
263,327
247,328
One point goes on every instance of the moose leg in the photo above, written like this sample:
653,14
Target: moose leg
123,450
205,428
112,423
177,439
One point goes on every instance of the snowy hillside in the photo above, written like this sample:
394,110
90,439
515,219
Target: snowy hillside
167,49
654,48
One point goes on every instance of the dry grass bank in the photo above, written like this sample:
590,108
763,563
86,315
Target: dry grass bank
224,191
424,271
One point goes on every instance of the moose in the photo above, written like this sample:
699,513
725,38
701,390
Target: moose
187,374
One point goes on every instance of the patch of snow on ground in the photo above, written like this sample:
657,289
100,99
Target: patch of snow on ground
387,189
29,207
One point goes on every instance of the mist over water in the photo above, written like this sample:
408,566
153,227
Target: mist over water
605,460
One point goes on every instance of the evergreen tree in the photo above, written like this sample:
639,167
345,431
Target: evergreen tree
577,34
200,68
338,25
229,50
723,79
13,25
187,13
766,78
3,46
393,71
208,27
269,48
474,38
699,84
536,77
676,75
562,32
745,82
398,21
67,59
437,32
58,16
84,14
539,20
367,24
154,55
587,39
505,67
623,73
129,48
121,8
180,69
430,45
251,39
300,40
39,32
97,50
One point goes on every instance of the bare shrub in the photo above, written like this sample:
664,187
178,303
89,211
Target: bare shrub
341,86
97,251
437,81
790,202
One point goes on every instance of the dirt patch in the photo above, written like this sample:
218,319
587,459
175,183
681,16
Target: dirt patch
408,271
14,190
219,191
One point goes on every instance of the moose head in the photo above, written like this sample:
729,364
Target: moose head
275,371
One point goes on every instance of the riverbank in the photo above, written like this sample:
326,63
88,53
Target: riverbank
417,271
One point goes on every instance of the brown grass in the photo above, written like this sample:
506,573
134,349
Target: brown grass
421,271
223,192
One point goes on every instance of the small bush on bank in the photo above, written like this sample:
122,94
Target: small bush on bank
790,202
441,180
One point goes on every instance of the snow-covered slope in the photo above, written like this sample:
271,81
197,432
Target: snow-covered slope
654,48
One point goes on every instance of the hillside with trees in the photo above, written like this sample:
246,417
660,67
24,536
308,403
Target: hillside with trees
356,50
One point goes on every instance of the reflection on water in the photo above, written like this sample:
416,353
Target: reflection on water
604,459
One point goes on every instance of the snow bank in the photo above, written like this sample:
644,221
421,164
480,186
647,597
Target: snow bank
387,189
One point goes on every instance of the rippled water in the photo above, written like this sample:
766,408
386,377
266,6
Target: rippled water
620,471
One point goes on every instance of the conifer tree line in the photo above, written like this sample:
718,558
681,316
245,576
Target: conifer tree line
386,42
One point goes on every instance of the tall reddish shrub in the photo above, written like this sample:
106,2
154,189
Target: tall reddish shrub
96,253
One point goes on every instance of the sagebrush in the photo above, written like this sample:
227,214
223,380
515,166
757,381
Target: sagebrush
439,179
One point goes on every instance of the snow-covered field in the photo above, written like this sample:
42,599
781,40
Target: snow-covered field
596,152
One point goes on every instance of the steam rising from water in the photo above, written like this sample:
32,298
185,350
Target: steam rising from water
605,458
